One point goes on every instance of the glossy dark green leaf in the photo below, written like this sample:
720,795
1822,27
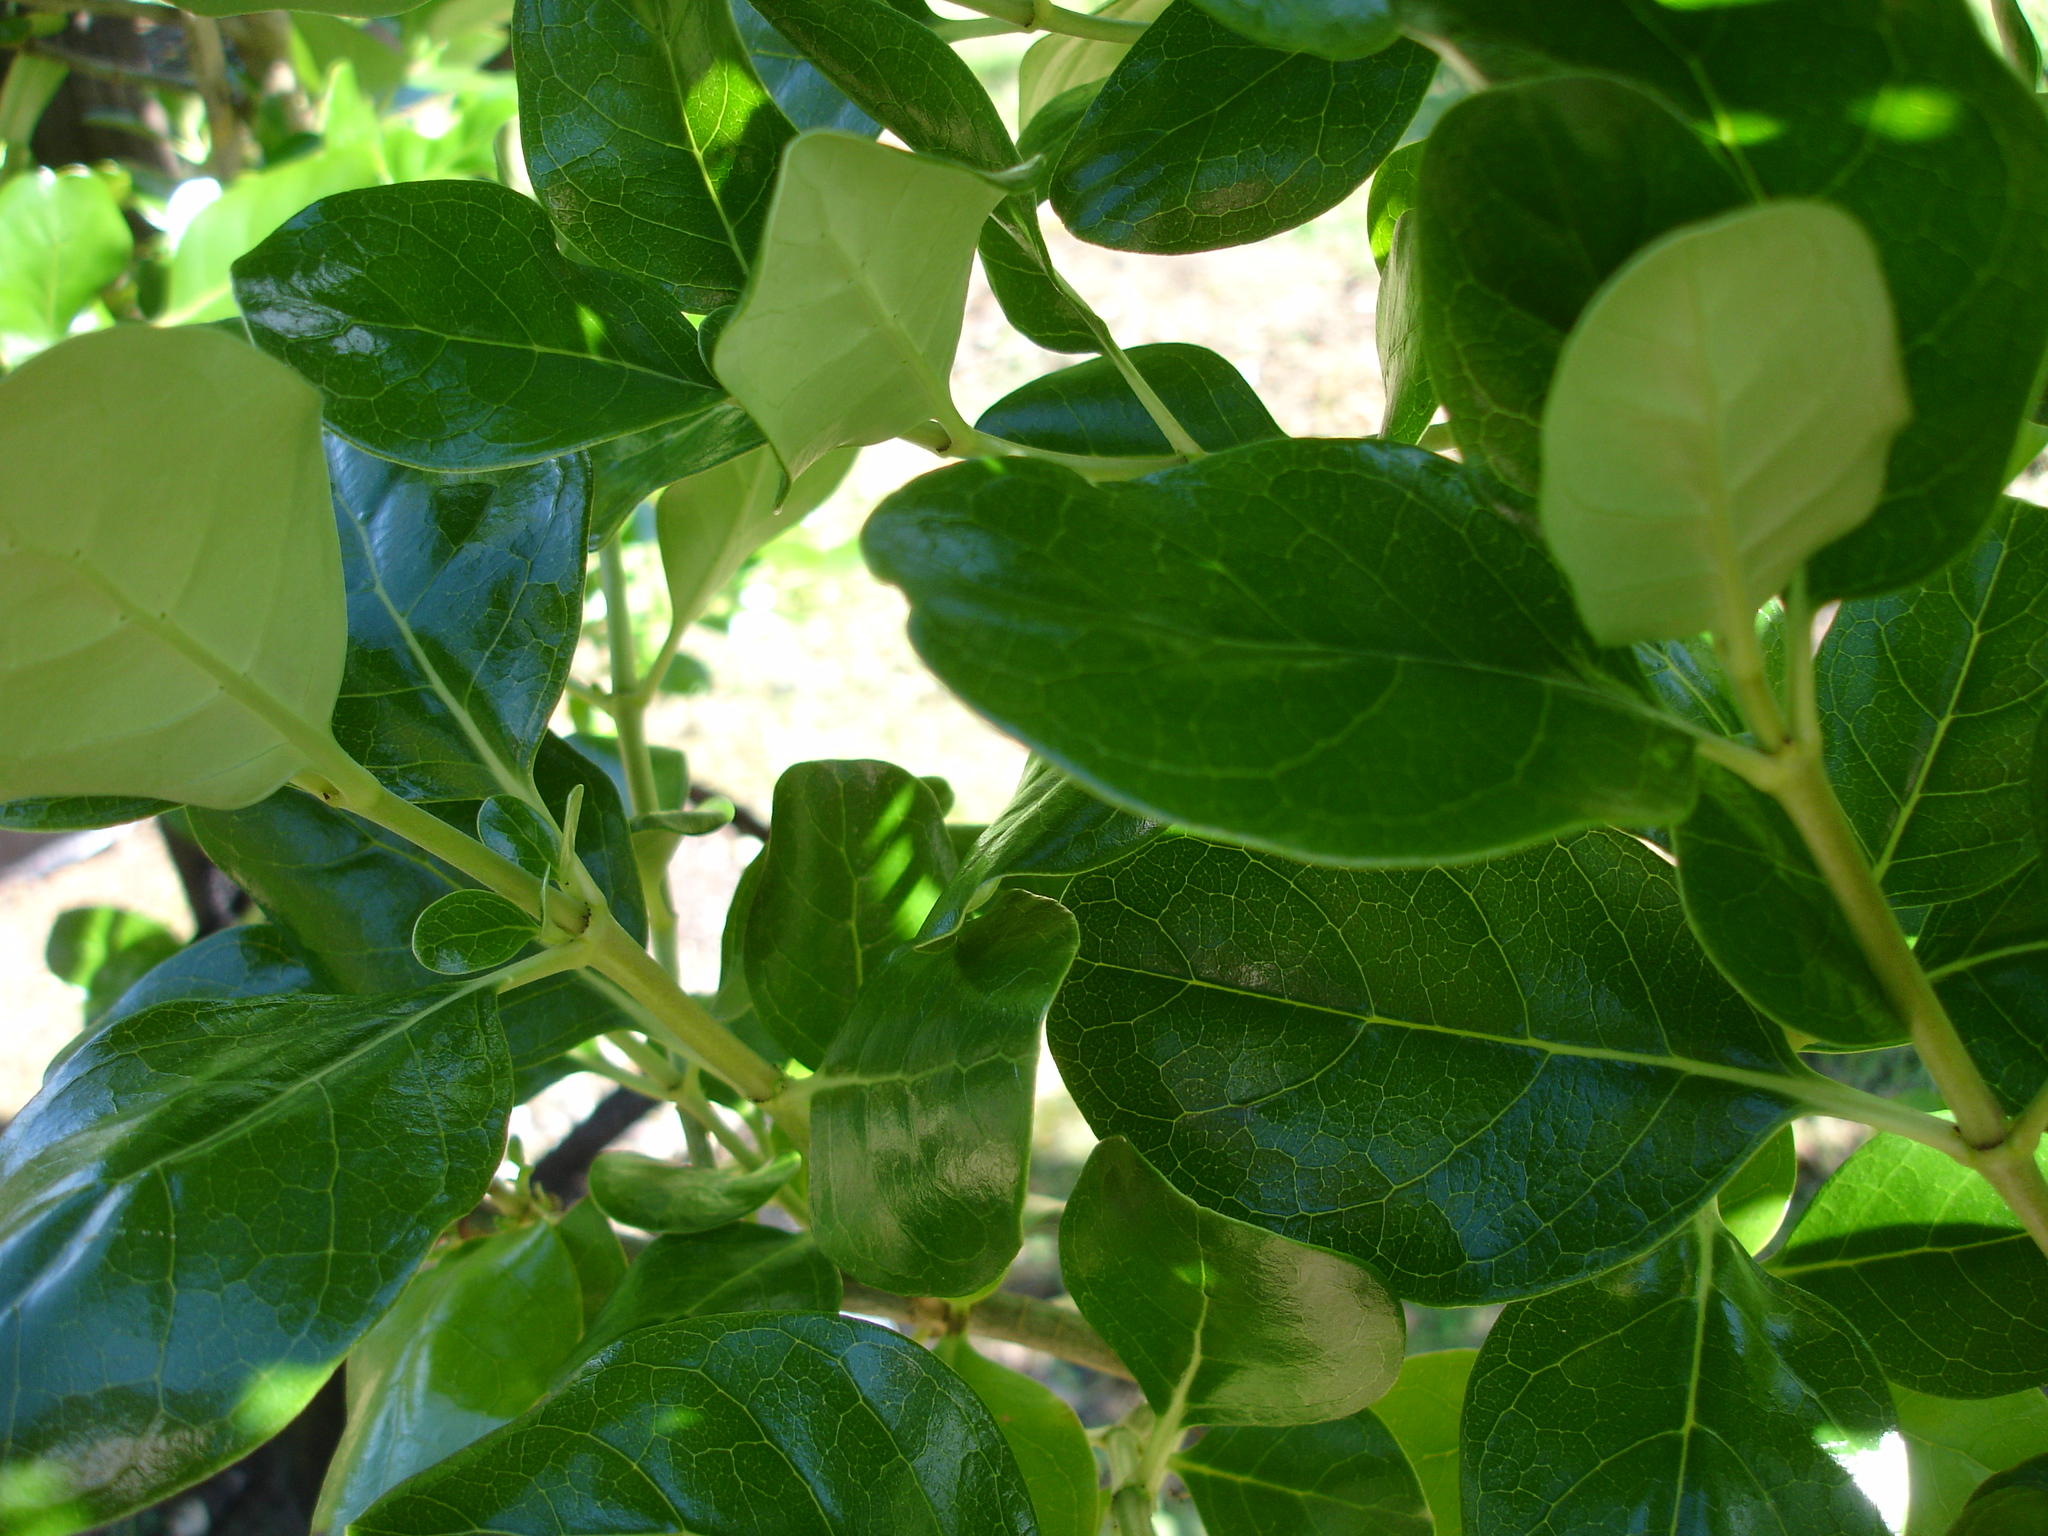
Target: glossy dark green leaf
1422,1413
1048,1441
1344,1478
1486,1081
655,1196
921,1115
1689,1392
465,602
767,1423
1090,409
1016,266
1204,139
1331,29
1895,111
898,72
249,960
471,1344
446,332
1934,1271
1765,913
737,1268
1307,616
858,856
1398,331
1392,194
1953,1446
650,140
807,98
188,1246
1529,198
77,813
1988,957
1222,1322
2011,1503
514,830
1752,1205
595,1250
103,951
470,931
1928,698
1045,137
1052,826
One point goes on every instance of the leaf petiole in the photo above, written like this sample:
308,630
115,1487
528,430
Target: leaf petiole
1043,16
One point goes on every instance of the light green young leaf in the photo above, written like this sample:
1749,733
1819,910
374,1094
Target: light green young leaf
172,581
1754,1202
1724,408
104,951
1422,1413
848,325
62,239
709,523
472,1343
246,214
1397,328
1953,1446
1222,1322
1043,1434
470,931
1057,63
655,1196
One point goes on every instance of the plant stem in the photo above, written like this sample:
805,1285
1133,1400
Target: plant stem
1040,16
1004,1315
1094,466
1131,1507
629,716
210,70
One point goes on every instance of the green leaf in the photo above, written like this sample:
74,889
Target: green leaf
1988,958
1897,112
1398,332
1689,1392
594,1249
858,857
1201,139
1052,826
1016,267
1754,1202
445,332
1282,667
1392,194
1222,1322
1953,1446
737,1268
188,1247
1724,407
1765,913
847,329
320,7
1930,1265
901,75
1331,29
650,140
1043,1434
199,285
1344,1478
471,1344
514,830
858,1431
1422,1412
76,813
1527,198
2014,1503
471,931
465,603
921,1114
62,239
807,97
1928,698
1398,1064
713,814
710,523
1090,409
176,636
248,960
1059,63
655,1196
103,951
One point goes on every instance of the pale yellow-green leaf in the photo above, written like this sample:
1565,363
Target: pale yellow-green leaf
848,325
1057,63
1421,1412
171,608
709,523
1724,407
244,216
62,239
1952,1446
